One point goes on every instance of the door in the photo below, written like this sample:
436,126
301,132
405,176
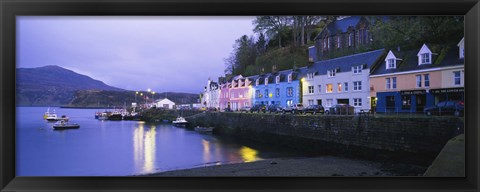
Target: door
420,103
390,103
319,102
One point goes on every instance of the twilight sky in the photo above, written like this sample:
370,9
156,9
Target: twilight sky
164,53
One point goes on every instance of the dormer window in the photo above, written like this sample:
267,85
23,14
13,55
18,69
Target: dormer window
257,82
425,58
461,48
357,69
289,78
331,73
391,61
391,64
309,75
266,80
277,79
424,55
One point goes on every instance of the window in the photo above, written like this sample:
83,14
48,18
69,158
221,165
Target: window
309,75
357,102
387,83
462,53
289,78
394,82
277,92
289,91
328,43
357,69
339,87
426,80
277,79
331,73
406,102
350,39
425,58
357,85
338,41
257,94
345,86
456,77
419,81
266,93
329,102
325,43
266,80
246,104
329,88
257,82
289,102
310,102
310,89
391,64
319,88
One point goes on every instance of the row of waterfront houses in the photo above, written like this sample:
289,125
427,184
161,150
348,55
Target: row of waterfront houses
380,80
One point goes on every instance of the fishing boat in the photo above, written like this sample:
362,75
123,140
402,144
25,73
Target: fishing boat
50,116
180,121
63,124
116,115
204,129
103,116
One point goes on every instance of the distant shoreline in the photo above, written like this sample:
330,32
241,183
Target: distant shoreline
71,107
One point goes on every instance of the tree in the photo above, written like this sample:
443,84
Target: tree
272,25
412,31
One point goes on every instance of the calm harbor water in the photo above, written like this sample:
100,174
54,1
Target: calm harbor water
121,148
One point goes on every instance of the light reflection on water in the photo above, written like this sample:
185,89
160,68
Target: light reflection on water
120,148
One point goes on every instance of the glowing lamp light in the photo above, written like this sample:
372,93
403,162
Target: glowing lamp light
270,95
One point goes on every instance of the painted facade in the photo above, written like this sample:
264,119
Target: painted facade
240,92
211,95
343,80
410,81
282,88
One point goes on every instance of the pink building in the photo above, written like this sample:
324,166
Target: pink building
240,92
224,100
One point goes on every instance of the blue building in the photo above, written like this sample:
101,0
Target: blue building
282,88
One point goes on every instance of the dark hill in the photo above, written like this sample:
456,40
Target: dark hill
56,86
52,85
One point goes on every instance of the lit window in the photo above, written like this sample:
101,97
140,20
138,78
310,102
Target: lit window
339,87
257,82
329,88
345,86
357,102
456,77
426,79
266,80
419,81
310,89
357,85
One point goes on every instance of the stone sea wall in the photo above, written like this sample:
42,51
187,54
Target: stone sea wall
409,139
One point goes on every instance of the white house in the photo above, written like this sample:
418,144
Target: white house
343,80
164,103
211,95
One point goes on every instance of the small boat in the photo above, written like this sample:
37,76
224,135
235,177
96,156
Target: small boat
103,116
63,124
50,116
180,121
204,129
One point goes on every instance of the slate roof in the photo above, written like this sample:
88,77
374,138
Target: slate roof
409,61
345,64
340,26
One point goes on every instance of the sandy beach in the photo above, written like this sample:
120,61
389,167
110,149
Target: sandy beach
315,166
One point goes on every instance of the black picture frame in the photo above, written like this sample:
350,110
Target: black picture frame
11,8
